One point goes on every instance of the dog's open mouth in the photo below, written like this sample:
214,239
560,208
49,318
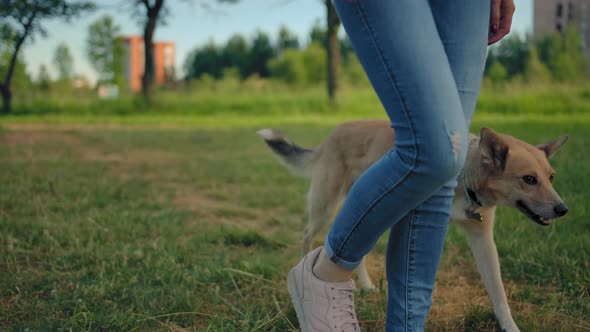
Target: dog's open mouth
533,216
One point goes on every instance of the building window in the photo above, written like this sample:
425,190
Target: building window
570,11
558,27
559,10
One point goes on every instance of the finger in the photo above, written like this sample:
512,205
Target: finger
495,16
506,21
505,24
496,37
499,35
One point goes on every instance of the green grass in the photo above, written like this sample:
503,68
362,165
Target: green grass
148,222
273,99
260,104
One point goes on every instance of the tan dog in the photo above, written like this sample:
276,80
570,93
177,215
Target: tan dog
500,170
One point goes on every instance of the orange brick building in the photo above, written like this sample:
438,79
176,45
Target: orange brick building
133,61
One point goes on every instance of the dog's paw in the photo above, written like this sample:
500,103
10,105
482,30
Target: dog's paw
367,289
509,327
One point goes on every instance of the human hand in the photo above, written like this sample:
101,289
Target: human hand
500,19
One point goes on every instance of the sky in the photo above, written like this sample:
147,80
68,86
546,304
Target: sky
190,26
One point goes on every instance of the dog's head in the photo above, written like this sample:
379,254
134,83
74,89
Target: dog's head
517,174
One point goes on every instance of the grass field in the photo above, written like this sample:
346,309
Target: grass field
171,221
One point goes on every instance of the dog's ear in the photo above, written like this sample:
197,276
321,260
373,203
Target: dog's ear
552,147
494,150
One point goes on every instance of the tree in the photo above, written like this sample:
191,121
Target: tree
154,12
346,51
512,53
333,49
206,60
328,37
43,79
259,54
318,34
496,72
235,54
63,60
315,60
287,40
104,49
301,66
535,70
563,54
20,79
289,67
21,21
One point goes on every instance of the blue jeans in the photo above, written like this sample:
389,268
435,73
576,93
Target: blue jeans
425,60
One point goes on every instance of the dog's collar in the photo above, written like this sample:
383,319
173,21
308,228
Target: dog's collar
471,196
472,201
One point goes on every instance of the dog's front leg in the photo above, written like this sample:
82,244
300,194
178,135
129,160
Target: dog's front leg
364,279
480,237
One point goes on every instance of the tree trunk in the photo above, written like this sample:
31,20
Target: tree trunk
333,50
147,81
5,85
6,98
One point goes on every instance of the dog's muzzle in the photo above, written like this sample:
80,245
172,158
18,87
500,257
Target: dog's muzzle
560,210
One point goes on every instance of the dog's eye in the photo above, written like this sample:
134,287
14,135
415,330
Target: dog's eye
551,177
529,179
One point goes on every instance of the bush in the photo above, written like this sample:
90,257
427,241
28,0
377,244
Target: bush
289,67
354,74
307,66
563,54
535,70
314,59
497,73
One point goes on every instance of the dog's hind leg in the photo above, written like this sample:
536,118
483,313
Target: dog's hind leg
480,237
322,199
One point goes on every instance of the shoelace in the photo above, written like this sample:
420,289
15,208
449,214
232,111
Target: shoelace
343,310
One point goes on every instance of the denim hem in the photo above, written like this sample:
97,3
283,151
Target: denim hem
337,260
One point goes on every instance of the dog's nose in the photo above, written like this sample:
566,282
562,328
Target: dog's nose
560,209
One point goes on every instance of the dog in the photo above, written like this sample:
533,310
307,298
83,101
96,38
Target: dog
500,170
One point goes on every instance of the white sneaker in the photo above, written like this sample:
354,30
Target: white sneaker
321,306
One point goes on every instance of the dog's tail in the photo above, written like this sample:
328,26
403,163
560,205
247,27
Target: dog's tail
297,159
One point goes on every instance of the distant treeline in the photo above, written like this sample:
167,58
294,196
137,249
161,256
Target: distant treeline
557,56
285,58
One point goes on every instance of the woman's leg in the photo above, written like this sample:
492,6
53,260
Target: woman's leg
399,46
463,30
406,60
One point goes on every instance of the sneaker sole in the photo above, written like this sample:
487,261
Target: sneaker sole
296,299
